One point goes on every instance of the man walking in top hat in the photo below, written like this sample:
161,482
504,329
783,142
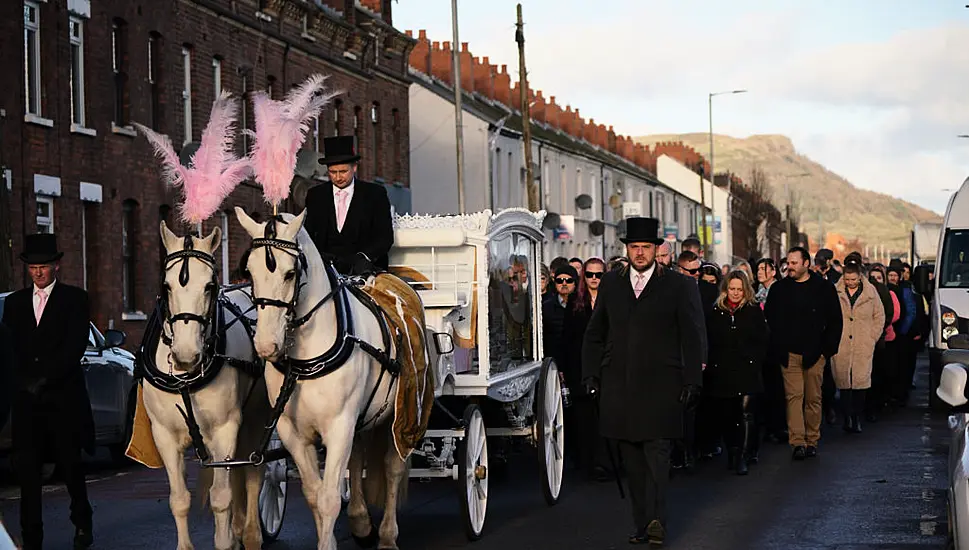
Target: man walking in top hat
644,350
49,323
347,218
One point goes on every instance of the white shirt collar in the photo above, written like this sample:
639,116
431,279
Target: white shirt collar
47,290
633,275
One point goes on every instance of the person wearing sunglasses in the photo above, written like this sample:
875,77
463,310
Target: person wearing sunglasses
643,358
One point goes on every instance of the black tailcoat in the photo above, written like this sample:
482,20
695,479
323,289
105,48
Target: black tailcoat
48,377
644,351
368,227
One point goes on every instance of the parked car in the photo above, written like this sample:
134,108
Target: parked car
109,373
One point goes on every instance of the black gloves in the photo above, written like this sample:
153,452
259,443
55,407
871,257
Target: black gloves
591,385
362,265
690,396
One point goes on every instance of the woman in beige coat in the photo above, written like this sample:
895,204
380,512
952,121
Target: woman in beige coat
864,321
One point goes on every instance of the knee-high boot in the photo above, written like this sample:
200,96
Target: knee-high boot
751,443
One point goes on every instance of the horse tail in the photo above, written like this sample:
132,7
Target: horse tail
378,445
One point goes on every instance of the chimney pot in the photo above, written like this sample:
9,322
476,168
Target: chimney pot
436,45
504,69
447,46
464,46
485,60
422,34
410,34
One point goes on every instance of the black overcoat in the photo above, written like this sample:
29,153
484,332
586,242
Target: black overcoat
48,377
644,351
738,348
368,227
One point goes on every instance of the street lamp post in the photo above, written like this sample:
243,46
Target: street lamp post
703,207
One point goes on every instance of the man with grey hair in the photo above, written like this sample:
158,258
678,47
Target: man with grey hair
664,254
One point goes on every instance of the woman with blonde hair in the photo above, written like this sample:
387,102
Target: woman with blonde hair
737,336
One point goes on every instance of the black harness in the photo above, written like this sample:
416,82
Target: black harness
332,359
213,356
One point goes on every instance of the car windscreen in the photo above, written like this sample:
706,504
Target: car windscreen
955,259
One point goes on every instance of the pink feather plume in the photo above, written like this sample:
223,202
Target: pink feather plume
281,128
215,171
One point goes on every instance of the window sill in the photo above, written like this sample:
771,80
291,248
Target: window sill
133,316
264,16
123,130
78,129
307,36
350,55
39,120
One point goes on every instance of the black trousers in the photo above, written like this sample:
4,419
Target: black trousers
31,447
853,402
877,395
647,465
771,408
894,365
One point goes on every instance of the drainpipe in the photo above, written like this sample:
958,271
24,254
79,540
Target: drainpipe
541,178
602,203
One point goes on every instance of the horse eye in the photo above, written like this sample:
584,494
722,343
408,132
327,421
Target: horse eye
290,274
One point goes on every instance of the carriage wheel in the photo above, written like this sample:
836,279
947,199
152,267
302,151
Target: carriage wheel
473,472
272,495
549,422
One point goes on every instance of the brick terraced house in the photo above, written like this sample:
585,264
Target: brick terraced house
78,73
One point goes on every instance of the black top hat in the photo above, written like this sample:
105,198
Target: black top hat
339,150
642,230
40,248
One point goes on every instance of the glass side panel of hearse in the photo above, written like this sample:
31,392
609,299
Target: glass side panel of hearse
955,259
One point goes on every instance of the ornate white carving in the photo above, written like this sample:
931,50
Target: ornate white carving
476,223
514,388
536,217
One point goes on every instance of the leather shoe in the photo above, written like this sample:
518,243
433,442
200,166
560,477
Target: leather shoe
799,453
811,451
83,538
639,537
655,533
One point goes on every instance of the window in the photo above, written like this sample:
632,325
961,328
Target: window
563,189
187,94
154,64
375,138
129,244
594,193
511,175
955,259
496,191
337,105
217,76
45,214
244,113
76,27
676,211
32,57
119,60
396,153
357,124
270,86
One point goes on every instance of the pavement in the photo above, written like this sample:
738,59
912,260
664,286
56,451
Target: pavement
883,489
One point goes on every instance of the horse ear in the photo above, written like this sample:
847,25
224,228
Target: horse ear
294,225
214,239
169,239
250,225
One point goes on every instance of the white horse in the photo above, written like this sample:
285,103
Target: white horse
290,286
191,291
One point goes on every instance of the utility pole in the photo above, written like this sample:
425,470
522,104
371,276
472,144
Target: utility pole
526,118
458,118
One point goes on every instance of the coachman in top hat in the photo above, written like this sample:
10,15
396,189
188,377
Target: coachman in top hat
49,323
347,218
646,368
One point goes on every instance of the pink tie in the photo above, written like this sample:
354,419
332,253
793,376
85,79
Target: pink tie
341,212
640,284
39,310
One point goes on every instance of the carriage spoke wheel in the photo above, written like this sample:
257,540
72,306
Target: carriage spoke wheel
272,495
473,472
549,423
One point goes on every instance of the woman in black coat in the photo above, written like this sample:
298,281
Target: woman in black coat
737,335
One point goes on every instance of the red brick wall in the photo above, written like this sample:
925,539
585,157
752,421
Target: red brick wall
125,167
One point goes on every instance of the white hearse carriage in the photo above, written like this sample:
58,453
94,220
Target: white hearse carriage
479,280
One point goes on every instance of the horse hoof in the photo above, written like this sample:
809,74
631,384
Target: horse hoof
368,541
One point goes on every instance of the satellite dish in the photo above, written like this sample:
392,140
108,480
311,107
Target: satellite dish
583,202
188,151
597,228
552,221
307,163
615,201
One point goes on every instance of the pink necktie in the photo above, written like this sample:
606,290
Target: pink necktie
39,310
640,284
341,211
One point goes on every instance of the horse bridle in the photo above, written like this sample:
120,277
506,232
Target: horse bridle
207,320
270,242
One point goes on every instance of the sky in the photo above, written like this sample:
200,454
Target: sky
875,91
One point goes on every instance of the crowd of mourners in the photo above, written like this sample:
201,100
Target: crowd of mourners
791,344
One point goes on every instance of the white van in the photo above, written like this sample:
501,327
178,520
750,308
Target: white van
949,289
